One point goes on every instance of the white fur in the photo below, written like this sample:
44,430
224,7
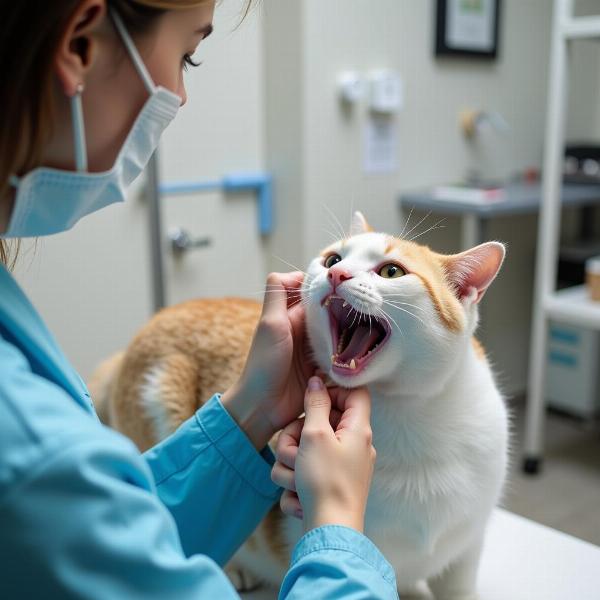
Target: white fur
153,405
439,424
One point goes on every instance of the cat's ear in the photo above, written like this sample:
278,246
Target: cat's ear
359,224
470,273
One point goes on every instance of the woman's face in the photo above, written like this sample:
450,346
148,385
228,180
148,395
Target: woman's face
114,92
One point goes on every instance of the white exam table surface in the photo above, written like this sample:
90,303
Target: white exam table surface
523,560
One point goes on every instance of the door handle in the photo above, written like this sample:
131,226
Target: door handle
182,241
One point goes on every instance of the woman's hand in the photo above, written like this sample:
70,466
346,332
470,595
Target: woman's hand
270,391
325,460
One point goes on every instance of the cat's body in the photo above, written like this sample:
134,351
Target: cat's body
178,360
439,423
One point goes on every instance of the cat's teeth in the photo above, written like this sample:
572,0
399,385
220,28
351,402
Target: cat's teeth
333,358
345,304
328,301
353,364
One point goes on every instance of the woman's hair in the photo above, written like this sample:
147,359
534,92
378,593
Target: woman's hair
30,31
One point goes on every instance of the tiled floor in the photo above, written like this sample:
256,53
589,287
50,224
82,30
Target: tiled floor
566,494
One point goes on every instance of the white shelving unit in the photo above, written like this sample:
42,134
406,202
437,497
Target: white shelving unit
571,305
574,306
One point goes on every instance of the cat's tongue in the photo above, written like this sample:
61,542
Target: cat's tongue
362,339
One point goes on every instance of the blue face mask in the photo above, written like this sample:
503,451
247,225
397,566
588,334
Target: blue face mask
51,200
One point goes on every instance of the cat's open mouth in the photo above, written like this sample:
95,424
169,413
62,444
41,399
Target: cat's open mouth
356,337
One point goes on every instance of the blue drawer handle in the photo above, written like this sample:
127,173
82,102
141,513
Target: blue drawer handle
563,359
562,335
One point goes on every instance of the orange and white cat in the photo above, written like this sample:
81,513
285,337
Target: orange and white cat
383,312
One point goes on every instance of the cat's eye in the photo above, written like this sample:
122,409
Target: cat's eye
331,260
391,271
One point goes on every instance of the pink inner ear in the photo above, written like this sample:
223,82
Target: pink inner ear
476,268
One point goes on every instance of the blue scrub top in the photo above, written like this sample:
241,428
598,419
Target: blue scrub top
83,514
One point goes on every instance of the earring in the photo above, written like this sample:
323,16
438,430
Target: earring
79,89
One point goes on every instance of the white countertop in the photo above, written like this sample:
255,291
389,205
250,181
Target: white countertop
523,560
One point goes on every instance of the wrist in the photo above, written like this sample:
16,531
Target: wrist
355,519
249,416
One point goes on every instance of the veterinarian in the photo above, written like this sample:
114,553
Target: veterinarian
88,86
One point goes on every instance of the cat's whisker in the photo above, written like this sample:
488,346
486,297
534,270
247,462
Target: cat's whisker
351,210
407,222
275,291
398,304
272,290
291,295
336,238
382,314
289,264
398,294
421,221
436,226
388,316
406,304
301,302
336,221
406,311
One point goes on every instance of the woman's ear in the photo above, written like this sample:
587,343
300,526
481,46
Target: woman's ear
76,49
470,273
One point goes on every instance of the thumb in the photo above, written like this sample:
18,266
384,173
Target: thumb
356,410
317,405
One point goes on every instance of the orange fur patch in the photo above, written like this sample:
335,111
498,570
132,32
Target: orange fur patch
329,250
390,245
479,349
429,267
200,347
272,527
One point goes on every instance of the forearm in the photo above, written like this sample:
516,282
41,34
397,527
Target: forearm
215,484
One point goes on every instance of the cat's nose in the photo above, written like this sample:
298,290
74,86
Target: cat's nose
337,275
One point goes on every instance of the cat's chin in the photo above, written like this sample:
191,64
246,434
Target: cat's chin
348,380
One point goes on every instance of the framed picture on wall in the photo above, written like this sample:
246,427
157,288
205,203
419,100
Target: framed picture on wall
467,28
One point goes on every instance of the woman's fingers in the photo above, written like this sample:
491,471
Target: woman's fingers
335,416
317,407
290,504
283,476
281,291
293,283
355,406
288,442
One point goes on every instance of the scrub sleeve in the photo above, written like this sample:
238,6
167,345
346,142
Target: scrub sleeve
84,515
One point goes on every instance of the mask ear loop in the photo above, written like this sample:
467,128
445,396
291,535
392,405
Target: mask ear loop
138,63
81,161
